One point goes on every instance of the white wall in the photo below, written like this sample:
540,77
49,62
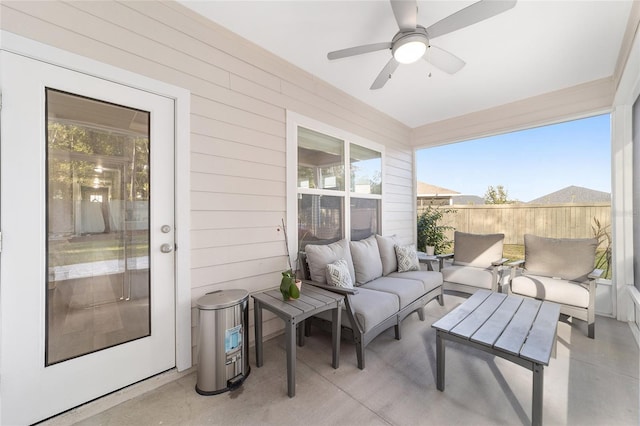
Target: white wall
240,94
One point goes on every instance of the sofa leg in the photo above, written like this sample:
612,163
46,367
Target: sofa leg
591,329
441,300
360,353
397,329
421,313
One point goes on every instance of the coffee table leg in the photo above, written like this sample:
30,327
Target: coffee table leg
290,336
538,382
257,317
439,361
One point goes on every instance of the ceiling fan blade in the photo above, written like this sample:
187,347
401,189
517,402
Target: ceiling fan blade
358,50
446,61
470,15
406,12
385,74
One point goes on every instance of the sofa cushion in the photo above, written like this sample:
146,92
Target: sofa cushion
569,259
319,256
366,259
468,275
371,308
477,249
406,290
551,289
338,274
387,247
407,258
429,279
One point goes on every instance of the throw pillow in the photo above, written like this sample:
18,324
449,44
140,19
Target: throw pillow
338,274
407,258
319,256
387,245
366,259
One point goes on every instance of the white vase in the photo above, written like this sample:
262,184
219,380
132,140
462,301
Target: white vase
431,250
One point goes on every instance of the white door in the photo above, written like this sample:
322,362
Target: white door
87,282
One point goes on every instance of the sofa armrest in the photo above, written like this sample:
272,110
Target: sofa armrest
499,262
340,290
516,263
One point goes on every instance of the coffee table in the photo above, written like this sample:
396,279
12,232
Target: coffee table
313,300
518,329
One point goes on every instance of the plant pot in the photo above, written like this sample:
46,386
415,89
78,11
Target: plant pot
431,250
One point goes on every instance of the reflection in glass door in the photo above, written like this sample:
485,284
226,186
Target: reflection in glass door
98,283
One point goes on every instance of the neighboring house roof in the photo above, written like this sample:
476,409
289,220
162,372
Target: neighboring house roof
573,194
428,190
467,200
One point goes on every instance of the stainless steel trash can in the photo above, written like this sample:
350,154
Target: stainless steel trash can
223,343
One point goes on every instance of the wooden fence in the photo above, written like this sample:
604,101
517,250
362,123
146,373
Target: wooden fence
515,220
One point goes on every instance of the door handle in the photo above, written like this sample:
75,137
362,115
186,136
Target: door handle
166,248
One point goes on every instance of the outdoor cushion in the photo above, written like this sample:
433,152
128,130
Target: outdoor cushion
551,289
319,256
478,250
366,259
468,275
338,274
429,279
371,308
569,259
406,290
387,245
407,258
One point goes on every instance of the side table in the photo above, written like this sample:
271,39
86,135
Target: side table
312,300
427,258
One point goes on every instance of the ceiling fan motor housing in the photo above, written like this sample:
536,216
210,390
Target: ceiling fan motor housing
409,46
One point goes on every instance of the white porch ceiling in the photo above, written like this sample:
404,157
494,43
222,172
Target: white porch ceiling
537,47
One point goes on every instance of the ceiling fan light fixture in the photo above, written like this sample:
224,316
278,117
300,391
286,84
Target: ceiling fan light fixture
409,49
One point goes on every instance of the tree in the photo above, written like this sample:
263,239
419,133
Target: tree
497,195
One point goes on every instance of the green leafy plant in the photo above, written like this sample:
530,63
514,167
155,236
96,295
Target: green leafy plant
603,256
430,230
288,286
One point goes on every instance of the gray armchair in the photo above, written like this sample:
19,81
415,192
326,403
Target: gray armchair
561,271
477,263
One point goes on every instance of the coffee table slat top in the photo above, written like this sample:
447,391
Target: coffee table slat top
453,318
491,331
540,340
523,327
479,317
516,333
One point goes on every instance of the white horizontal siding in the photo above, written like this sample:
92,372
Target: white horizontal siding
240,95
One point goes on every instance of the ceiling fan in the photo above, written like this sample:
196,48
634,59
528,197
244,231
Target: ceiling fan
412,41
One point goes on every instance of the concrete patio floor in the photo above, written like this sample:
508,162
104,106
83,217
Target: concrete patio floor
591,382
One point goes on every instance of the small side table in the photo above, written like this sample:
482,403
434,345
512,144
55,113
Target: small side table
427,258
313,300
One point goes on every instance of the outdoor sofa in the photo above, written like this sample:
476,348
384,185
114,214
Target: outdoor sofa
381,281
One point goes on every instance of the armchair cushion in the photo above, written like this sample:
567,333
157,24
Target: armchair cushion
319,256
366,259
551,289
569,259
468,275
386,245
478,250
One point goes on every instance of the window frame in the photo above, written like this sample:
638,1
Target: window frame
293,122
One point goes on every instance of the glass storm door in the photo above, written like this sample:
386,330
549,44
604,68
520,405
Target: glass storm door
87,218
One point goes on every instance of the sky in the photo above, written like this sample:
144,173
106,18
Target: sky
528,164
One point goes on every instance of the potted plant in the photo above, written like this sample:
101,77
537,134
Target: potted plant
289,285
432,236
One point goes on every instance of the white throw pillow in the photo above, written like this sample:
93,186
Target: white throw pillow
407,258
338,274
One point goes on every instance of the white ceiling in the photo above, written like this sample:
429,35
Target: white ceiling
534,48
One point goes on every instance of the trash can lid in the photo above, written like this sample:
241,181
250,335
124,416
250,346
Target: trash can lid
222,299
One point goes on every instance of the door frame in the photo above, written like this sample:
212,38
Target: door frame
181,97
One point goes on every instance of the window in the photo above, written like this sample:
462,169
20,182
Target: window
338,186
